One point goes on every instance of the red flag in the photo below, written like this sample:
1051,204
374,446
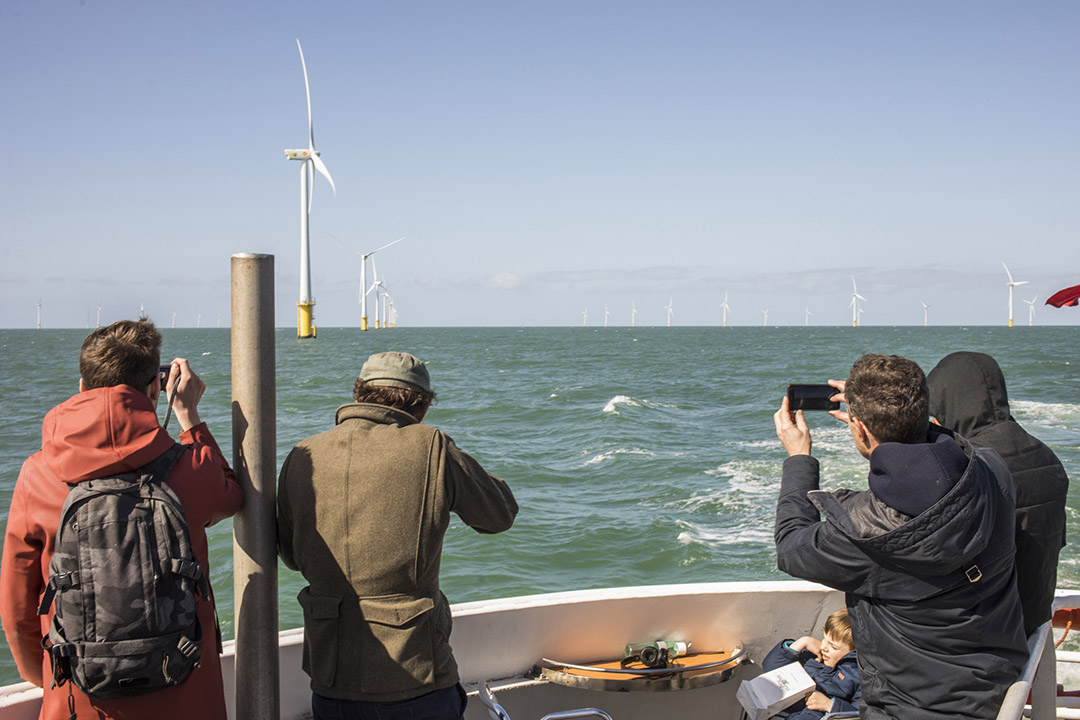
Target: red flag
1068,296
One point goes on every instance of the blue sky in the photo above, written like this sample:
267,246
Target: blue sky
544,158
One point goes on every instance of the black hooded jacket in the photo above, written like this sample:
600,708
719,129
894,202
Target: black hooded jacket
967,396
932,596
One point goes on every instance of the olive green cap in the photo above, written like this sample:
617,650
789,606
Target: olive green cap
396,369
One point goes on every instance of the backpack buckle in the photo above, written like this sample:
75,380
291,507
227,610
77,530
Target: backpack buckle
974,574
188,648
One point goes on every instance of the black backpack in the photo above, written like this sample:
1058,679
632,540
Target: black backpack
126,585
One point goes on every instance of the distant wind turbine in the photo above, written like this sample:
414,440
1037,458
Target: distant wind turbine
726,308
585,318
174,319
806,323
378,286
633,314
39,314
765,322
198,320
1031,310
670,313
309,162
1011,284
855,298
99,314
606,313
925,315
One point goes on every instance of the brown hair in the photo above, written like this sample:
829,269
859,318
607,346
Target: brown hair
888,394
414,402
838,626
127,352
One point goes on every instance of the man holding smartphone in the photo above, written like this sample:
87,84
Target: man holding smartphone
925,555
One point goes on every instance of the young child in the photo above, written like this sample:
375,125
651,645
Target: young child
830,662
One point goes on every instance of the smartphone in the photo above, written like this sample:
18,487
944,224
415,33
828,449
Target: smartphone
811,397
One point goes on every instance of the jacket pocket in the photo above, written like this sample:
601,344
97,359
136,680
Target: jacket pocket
397,651
320,635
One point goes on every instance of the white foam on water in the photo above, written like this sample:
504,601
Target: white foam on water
614,402
697,535
609,454
207,353
1042,414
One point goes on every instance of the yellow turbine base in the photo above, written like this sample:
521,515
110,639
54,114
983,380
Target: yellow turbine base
363,322
305,320
1010,322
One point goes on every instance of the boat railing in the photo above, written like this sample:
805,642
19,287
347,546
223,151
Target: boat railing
1038,681
498,712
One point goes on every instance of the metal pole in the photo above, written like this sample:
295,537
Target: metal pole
254,411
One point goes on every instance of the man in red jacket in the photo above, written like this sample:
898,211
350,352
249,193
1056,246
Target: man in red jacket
111,427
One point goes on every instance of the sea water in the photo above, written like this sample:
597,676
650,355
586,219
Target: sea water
637,455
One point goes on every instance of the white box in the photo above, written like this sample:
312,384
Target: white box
771,692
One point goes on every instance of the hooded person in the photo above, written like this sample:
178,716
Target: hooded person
968,396
924,556
110,426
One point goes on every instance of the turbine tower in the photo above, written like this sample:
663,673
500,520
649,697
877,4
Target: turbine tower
378,286
585,318
765,322
99,314
364,289
726,308
1011,284
38,314
670,313
606,313
633,314
925,315
309,162
806,322
855,298
1031,310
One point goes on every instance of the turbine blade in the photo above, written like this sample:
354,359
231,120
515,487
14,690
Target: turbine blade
386,246
307,90
861,297
321,167
1007,272
1021,282
374,272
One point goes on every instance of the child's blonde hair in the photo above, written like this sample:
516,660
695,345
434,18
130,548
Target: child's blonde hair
839,628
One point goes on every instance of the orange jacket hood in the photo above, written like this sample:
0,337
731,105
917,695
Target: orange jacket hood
101,432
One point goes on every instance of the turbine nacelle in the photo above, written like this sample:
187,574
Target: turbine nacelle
304,154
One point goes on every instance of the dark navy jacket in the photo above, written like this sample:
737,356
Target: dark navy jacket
840,682
931,597
968,396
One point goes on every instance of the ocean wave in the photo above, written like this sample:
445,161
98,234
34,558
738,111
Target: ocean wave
609,454
1045,414
693,534
614,403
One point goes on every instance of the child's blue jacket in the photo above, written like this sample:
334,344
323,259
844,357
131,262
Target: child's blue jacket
841,682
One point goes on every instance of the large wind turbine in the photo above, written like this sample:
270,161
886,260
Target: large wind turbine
309,162
1011,284
726,308
670,313
855,297
1031,310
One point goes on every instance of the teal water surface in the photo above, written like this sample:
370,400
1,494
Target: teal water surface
638,455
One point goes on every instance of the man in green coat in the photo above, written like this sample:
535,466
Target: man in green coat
362,510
